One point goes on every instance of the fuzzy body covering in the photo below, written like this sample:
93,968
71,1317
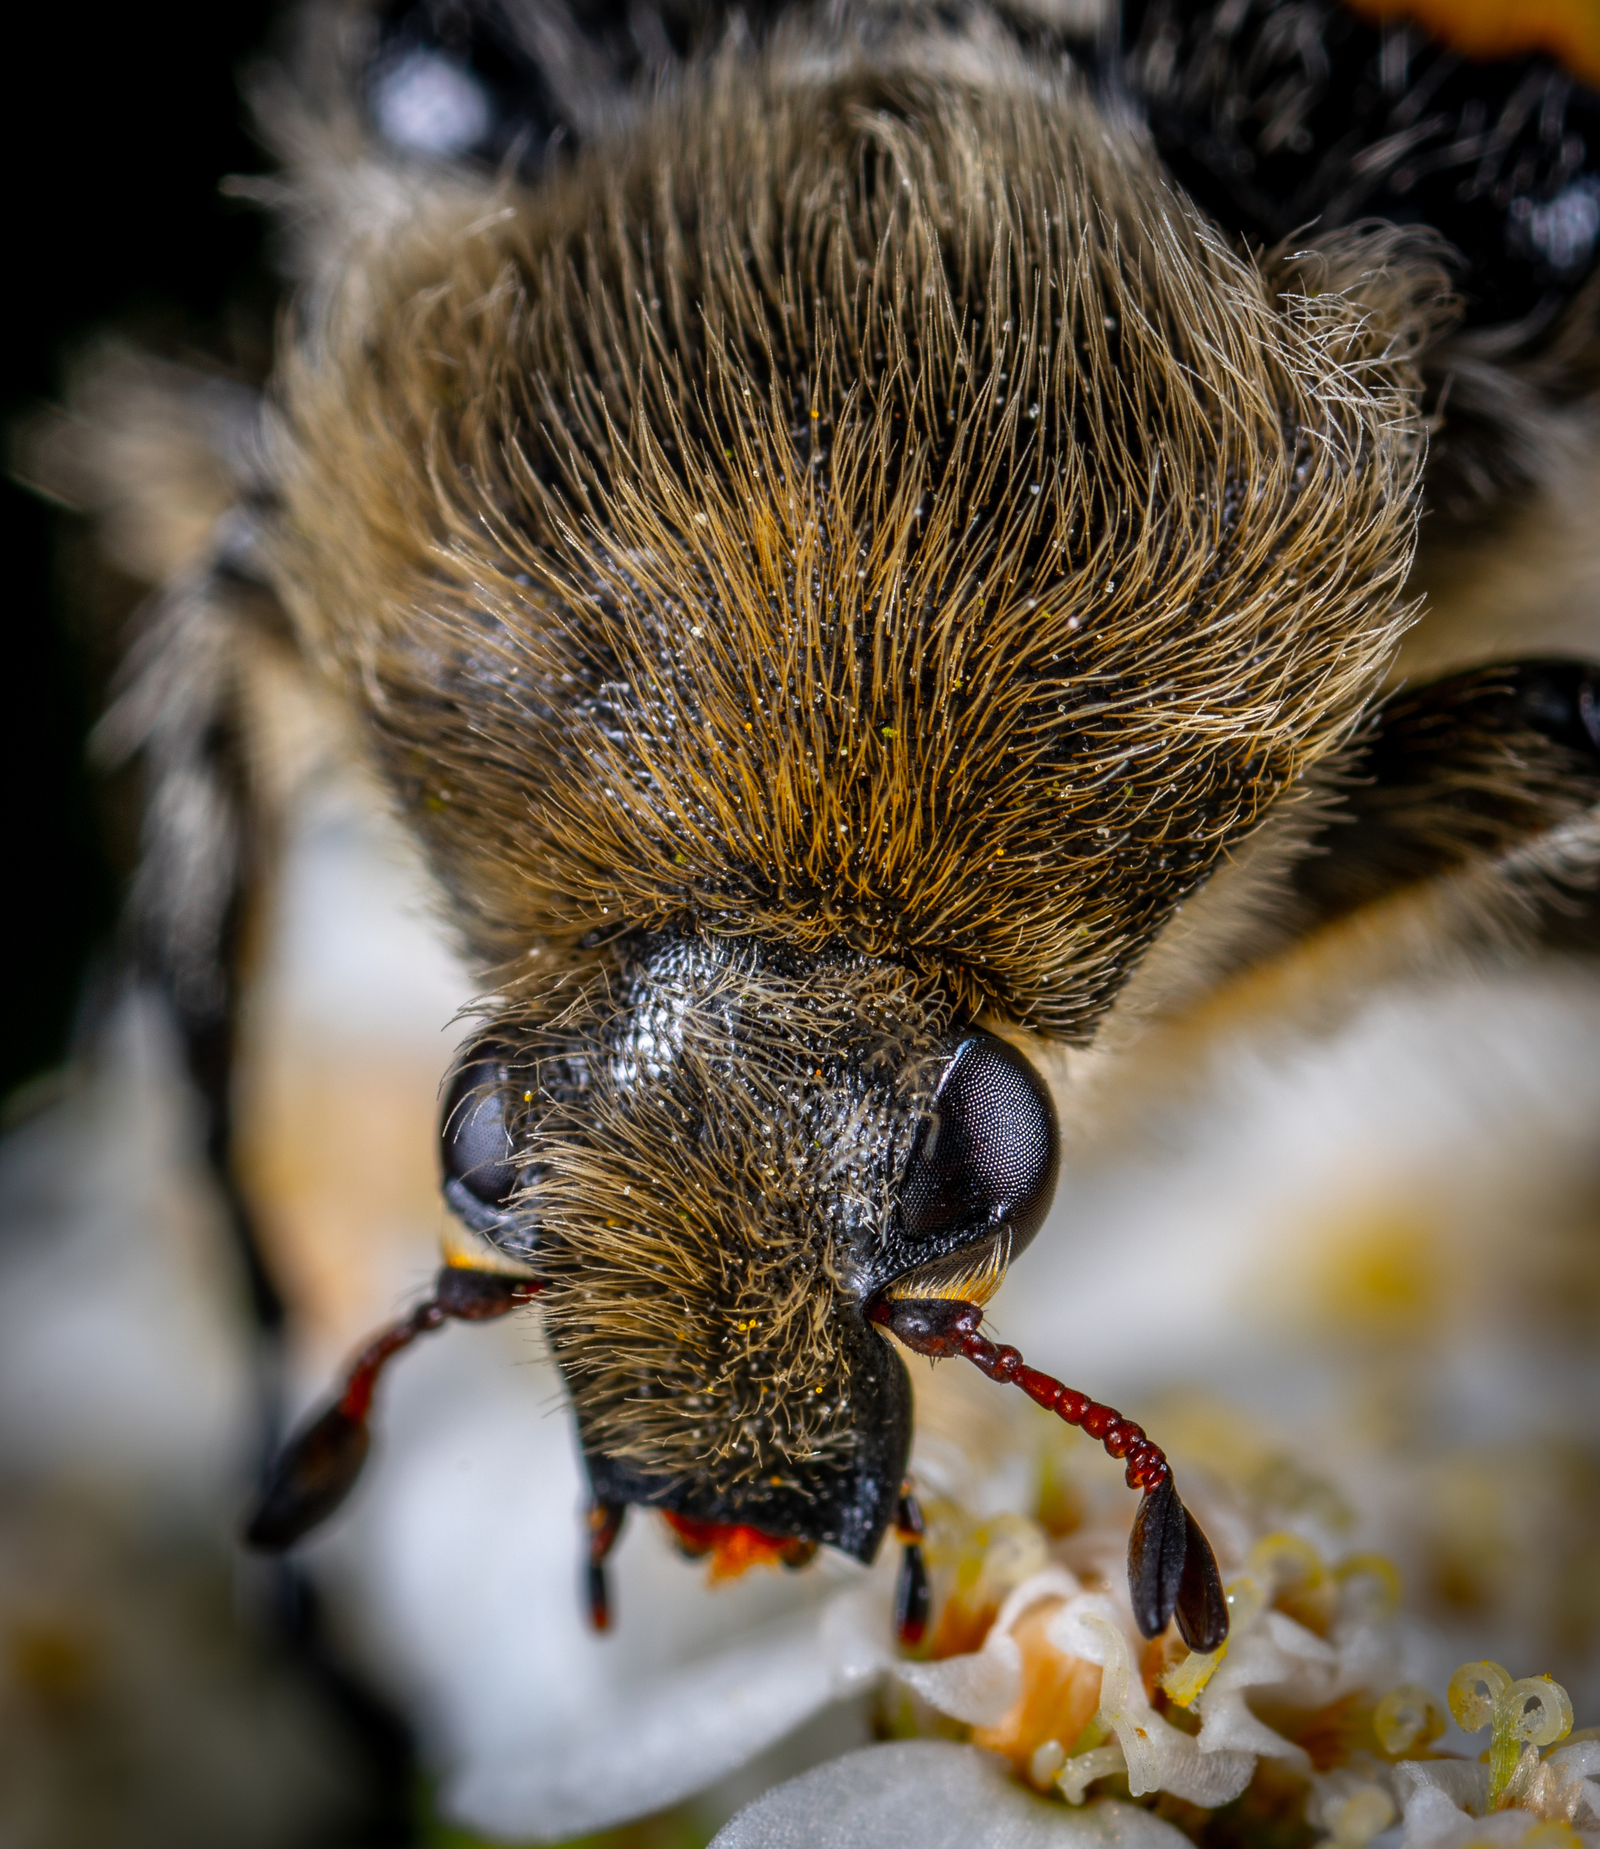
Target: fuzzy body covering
862,518
859,506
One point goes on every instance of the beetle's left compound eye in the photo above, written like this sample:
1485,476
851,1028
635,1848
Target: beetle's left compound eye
480,1173
989,1154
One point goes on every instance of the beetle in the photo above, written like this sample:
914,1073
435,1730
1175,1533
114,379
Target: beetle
837,531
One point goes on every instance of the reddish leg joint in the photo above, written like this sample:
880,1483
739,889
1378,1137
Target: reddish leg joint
911,1596
319,1465
1171,1568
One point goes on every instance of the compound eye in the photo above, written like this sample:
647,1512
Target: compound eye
475,1138
989,1154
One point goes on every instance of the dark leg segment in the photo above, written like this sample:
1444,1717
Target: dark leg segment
605,1524
1171,1567
911,1595
318,1467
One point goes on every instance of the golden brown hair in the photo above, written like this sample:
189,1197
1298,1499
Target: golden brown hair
846,484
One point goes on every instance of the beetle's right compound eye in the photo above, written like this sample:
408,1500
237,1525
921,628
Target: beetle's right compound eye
475,1137
988,1157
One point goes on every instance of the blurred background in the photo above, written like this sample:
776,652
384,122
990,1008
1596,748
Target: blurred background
118,130
140,1701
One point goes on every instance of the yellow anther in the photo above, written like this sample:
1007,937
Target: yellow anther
1408,1718
1380,1570
1540,1710
1281,1559
1296,1577
1475,1689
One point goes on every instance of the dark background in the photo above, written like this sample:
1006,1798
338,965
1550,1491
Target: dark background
120,123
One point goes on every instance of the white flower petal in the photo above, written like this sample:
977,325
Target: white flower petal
855,1638
1436,1794
1296,1642
979,1688
1054,1582
1089,1626
1571,1779
1159,1757
1228,1725
1581,1759
1465,1782
1431,1819
1190,1771
1444,1801
982,1686
676,1735
931,1794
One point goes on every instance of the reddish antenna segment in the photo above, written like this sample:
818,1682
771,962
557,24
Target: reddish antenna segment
1171,1568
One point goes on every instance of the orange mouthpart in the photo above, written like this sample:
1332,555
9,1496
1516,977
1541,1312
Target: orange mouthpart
733,1548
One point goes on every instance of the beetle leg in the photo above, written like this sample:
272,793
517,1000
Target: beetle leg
319,1465
911,1595
1171,1567
605,1524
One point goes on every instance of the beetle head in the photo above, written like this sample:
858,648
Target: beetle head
717,1156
